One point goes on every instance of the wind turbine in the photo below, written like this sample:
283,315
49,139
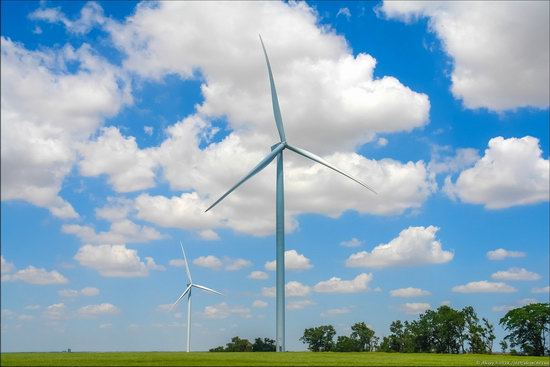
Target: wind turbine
277,151
187,291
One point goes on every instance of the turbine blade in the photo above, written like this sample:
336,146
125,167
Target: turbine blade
320,160
182,295
274,99
186,264
263,163
207,289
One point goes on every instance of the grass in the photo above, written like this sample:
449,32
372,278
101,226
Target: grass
265,359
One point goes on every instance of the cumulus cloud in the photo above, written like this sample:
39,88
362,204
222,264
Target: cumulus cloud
500,51
293,261
484,286
120,232
331,74
91,15
413,246
336,285
512,172
38,276
47,110
6,266
258,275
414,308
501,254
515,274
215,263
223,310
409,292
292,289
114,261
98,310
127,167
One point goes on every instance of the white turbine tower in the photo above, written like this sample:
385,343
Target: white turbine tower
187,291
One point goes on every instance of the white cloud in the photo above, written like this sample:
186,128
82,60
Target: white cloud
413,246
211,262
332,74
128,168
316,66
115,210
541,290
292,289
106,326
293,261
512,172
98,310
382,142
113,261
336,311
89,291
299,305
462,159
515,274
484,286
414,308
409,292
500,51
32,307
39,276
91,15
120,232
354,242
501,254
223,310
6,266
152,265
46,112
236,264
344,12
336,285
209,235
57,311
148,130
258,275
259,304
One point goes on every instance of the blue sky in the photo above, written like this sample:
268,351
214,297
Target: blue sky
122,122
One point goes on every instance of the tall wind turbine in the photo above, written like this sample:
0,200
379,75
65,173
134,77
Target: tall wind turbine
277,151
187,291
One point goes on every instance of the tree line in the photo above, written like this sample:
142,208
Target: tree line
444,330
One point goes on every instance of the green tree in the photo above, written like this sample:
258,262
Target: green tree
319,339
528,328
347,344
239,345
503,346
263,345
364,335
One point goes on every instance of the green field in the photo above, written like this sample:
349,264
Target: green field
265,359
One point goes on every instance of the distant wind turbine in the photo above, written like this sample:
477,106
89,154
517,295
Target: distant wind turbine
277,151
187,291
